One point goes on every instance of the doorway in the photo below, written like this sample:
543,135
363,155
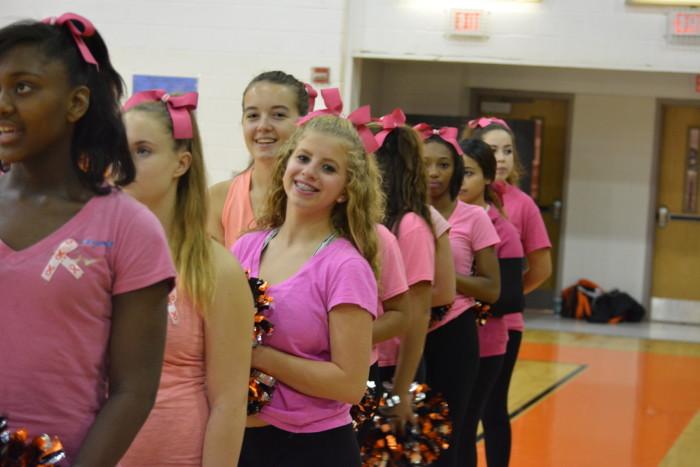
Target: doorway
675,284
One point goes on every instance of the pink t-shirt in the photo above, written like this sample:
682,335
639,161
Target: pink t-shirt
440,224
182,408
56,313
417,245
392,281
471,231
336,275
524,214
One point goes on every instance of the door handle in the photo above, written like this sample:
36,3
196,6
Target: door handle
555,208
664,216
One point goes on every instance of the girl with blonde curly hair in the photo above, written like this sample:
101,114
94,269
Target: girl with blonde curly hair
317,249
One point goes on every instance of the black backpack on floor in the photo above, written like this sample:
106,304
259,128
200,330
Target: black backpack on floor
616,306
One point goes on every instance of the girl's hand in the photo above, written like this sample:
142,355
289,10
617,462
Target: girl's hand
401,413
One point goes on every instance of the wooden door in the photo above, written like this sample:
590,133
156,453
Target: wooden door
676,263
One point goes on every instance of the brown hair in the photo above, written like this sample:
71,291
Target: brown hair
478,133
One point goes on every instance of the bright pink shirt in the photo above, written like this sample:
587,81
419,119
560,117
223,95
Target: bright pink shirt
237,215
56,321
471,231
336,275
392,281
417,245
182,409
524,214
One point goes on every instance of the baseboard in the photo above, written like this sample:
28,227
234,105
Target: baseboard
675,311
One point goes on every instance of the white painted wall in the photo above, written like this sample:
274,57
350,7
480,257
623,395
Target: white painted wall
224,43
565,33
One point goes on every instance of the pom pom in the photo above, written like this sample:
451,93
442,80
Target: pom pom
423,440
260,385
15,451
482,312
438,312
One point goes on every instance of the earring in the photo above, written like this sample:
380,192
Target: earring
341,199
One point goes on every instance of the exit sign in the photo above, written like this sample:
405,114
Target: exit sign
684,23
468,23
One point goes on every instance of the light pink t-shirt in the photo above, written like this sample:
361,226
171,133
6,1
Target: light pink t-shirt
471,231
56,313
440,224
182,409
392,281
524,214
336,275
417,245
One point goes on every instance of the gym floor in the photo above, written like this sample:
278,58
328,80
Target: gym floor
605,395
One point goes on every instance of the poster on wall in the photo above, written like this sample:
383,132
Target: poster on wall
691,167
172,84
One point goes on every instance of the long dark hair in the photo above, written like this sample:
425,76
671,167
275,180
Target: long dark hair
99,140
400,160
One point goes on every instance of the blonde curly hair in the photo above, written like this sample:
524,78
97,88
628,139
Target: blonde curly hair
357,218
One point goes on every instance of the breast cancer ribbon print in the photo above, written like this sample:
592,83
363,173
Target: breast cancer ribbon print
60,258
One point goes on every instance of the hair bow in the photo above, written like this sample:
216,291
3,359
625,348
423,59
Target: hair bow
447,133
389,123
483,122
70,20
179,108
313,94
359,117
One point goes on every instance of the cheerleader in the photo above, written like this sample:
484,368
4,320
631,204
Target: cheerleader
477,189
524,214
201,402
452,349
86,269
317,248
272,103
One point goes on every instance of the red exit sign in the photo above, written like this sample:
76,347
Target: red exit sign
684,23
468,22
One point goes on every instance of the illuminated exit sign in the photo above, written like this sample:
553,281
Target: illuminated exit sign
684,23
468,23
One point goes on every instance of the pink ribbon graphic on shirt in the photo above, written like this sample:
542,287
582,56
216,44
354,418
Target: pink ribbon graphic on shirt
70,20
179,108
389,123
60,258
360,117
447,133
483,122
313,94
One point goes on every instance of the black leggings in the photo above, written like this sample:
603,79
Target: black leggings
496,418
489,371
269,446
452,361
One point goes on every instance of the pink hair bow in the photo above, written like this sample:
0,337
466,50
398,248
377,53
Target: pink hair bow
359,118
313,94
389,123
334,105
179,108
483,122
70,20
447,133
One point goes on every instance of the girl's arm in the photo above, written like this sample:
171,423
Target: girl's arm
485,284
539,269
228,327
137,341
395,320
444,288
217,199
344,377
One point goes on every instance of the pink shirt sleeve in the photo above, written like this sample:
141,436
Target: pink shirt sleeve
141,257
534,233
417,244
483,232
393,280
440,224
353,283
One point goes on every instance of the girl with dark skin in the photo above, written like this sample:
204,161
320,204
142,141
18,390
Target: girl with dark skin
60,130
